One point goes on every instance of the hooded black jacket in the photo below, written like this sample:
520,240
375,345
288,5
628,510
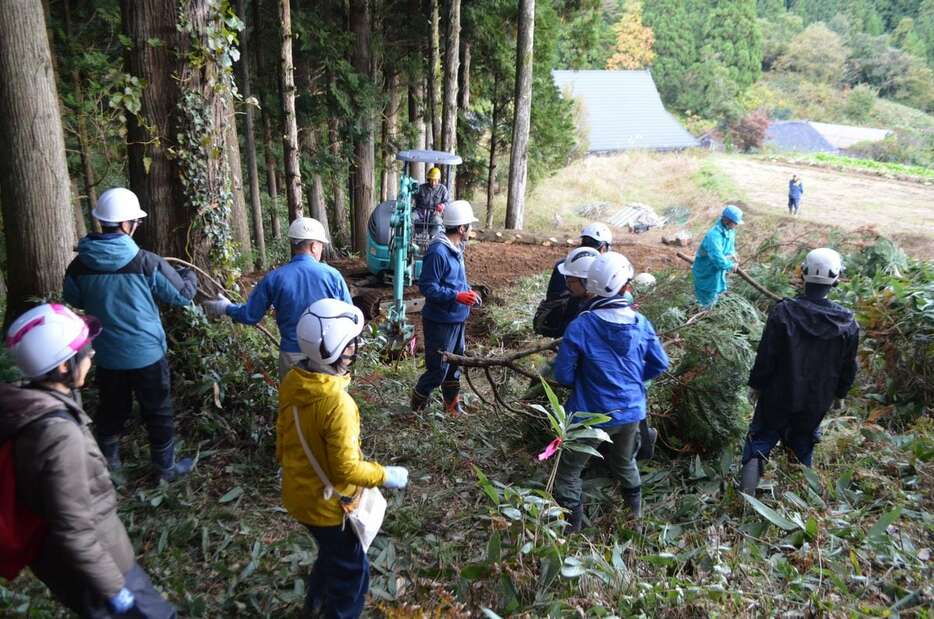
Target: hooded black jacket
806,358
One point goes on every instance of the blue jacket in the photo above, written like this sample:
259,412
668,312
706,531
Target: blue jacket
606,356
119,283
291,289
711,263
443,276
795,190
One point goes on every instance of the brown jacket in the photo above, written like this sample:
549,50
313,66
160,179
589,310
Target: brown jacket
62,476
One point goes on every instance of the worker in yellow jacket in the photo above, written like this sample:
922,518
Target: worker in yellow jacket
315,392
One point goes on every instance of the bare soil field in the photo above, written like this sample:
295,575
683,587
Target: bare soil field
901,210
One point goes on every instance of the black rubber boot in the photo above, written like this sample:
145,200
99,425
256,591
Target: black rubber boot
752,470
647,444
632,497
575,519
418,402
166,466
110,447
450,392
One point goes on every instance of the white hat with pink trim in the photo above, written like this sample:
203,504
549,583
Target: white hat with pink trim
47,336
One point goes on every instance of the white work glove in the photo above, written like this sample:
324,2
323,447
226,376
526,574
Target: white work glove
216,307
396,477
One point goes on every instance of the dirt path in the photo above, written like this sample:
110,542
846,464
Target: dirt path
900,209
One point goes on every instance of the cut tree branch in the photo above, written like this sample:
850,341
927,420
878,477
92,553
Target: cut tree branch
746,276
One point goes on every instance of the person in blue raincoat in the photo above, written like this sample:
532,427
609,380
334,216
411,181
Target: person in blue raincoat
607,355
716,257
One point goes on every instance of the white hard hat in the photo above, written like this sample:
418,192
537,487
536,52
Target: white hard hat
458,213
608,274
578,262
644,280
307,229
598,232
326,328
822,266
117,205
46,336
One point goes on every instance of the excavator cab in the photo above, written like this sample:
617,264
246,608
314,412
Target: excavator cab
398,237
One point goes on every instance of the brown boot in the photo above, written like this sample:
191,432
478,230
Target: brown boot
450,391
418,402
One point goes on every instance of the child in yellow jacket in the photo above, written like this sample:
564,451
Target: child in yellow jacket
329,419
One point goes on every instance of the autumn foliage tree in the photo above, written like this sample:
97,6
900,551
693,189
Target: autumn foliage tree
634,41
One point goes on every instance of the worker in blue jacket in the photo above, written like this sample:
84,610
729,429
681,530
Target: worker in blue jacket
119,283
290,289
448,299
716,257
795,191
608,353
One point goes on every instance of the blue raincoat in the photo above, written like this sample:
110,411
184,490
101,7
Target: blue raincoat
712,263
606,356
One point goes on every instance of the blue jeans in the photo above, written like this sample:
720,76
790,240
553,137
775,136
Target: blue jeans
440,337
340,577
760,441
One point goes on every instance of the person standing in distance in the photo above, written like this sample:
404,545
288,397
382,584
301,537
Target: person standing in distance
795,191
290,289
119,283
448,299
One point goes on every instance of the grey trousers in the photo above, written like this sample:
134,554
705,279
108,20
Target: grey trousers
621,458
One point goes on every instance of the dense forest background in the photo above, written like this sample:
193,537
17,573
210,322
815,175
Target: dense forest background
228,118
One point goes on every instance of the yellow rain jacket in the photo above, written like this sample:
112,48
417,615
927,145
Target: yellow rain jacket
330,422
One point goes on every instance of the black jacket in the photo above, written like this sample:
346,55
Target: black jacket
806,358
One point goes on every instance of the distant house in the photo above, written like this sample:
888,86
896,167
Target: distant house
806,136
623,111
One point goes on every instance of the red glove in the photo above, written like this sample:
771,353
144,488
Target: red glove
468,297
439,208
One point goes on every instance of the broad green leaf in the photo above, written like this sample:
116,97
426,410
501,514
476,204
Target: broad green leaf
887,519
512,512
587,449
770,514
589,433
556,407
475,571
232,494
493,548
572,571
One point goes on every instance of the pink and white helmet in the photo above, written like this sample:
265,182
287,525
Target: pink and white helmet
47,336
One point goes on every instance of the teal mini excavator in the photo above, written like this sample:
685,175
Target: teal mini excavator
398,238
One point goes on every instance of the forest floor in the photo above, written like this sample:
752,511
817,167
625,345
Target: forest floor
853,537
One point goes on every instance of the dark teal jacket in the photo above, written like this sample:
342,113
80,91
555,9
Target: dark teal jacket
119,283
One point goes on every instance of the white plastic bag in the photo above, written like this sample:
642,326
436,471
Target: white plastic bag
365,511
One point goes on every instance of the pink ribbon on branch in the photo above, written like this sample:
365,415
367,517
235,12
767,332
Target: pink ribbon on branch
550,450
